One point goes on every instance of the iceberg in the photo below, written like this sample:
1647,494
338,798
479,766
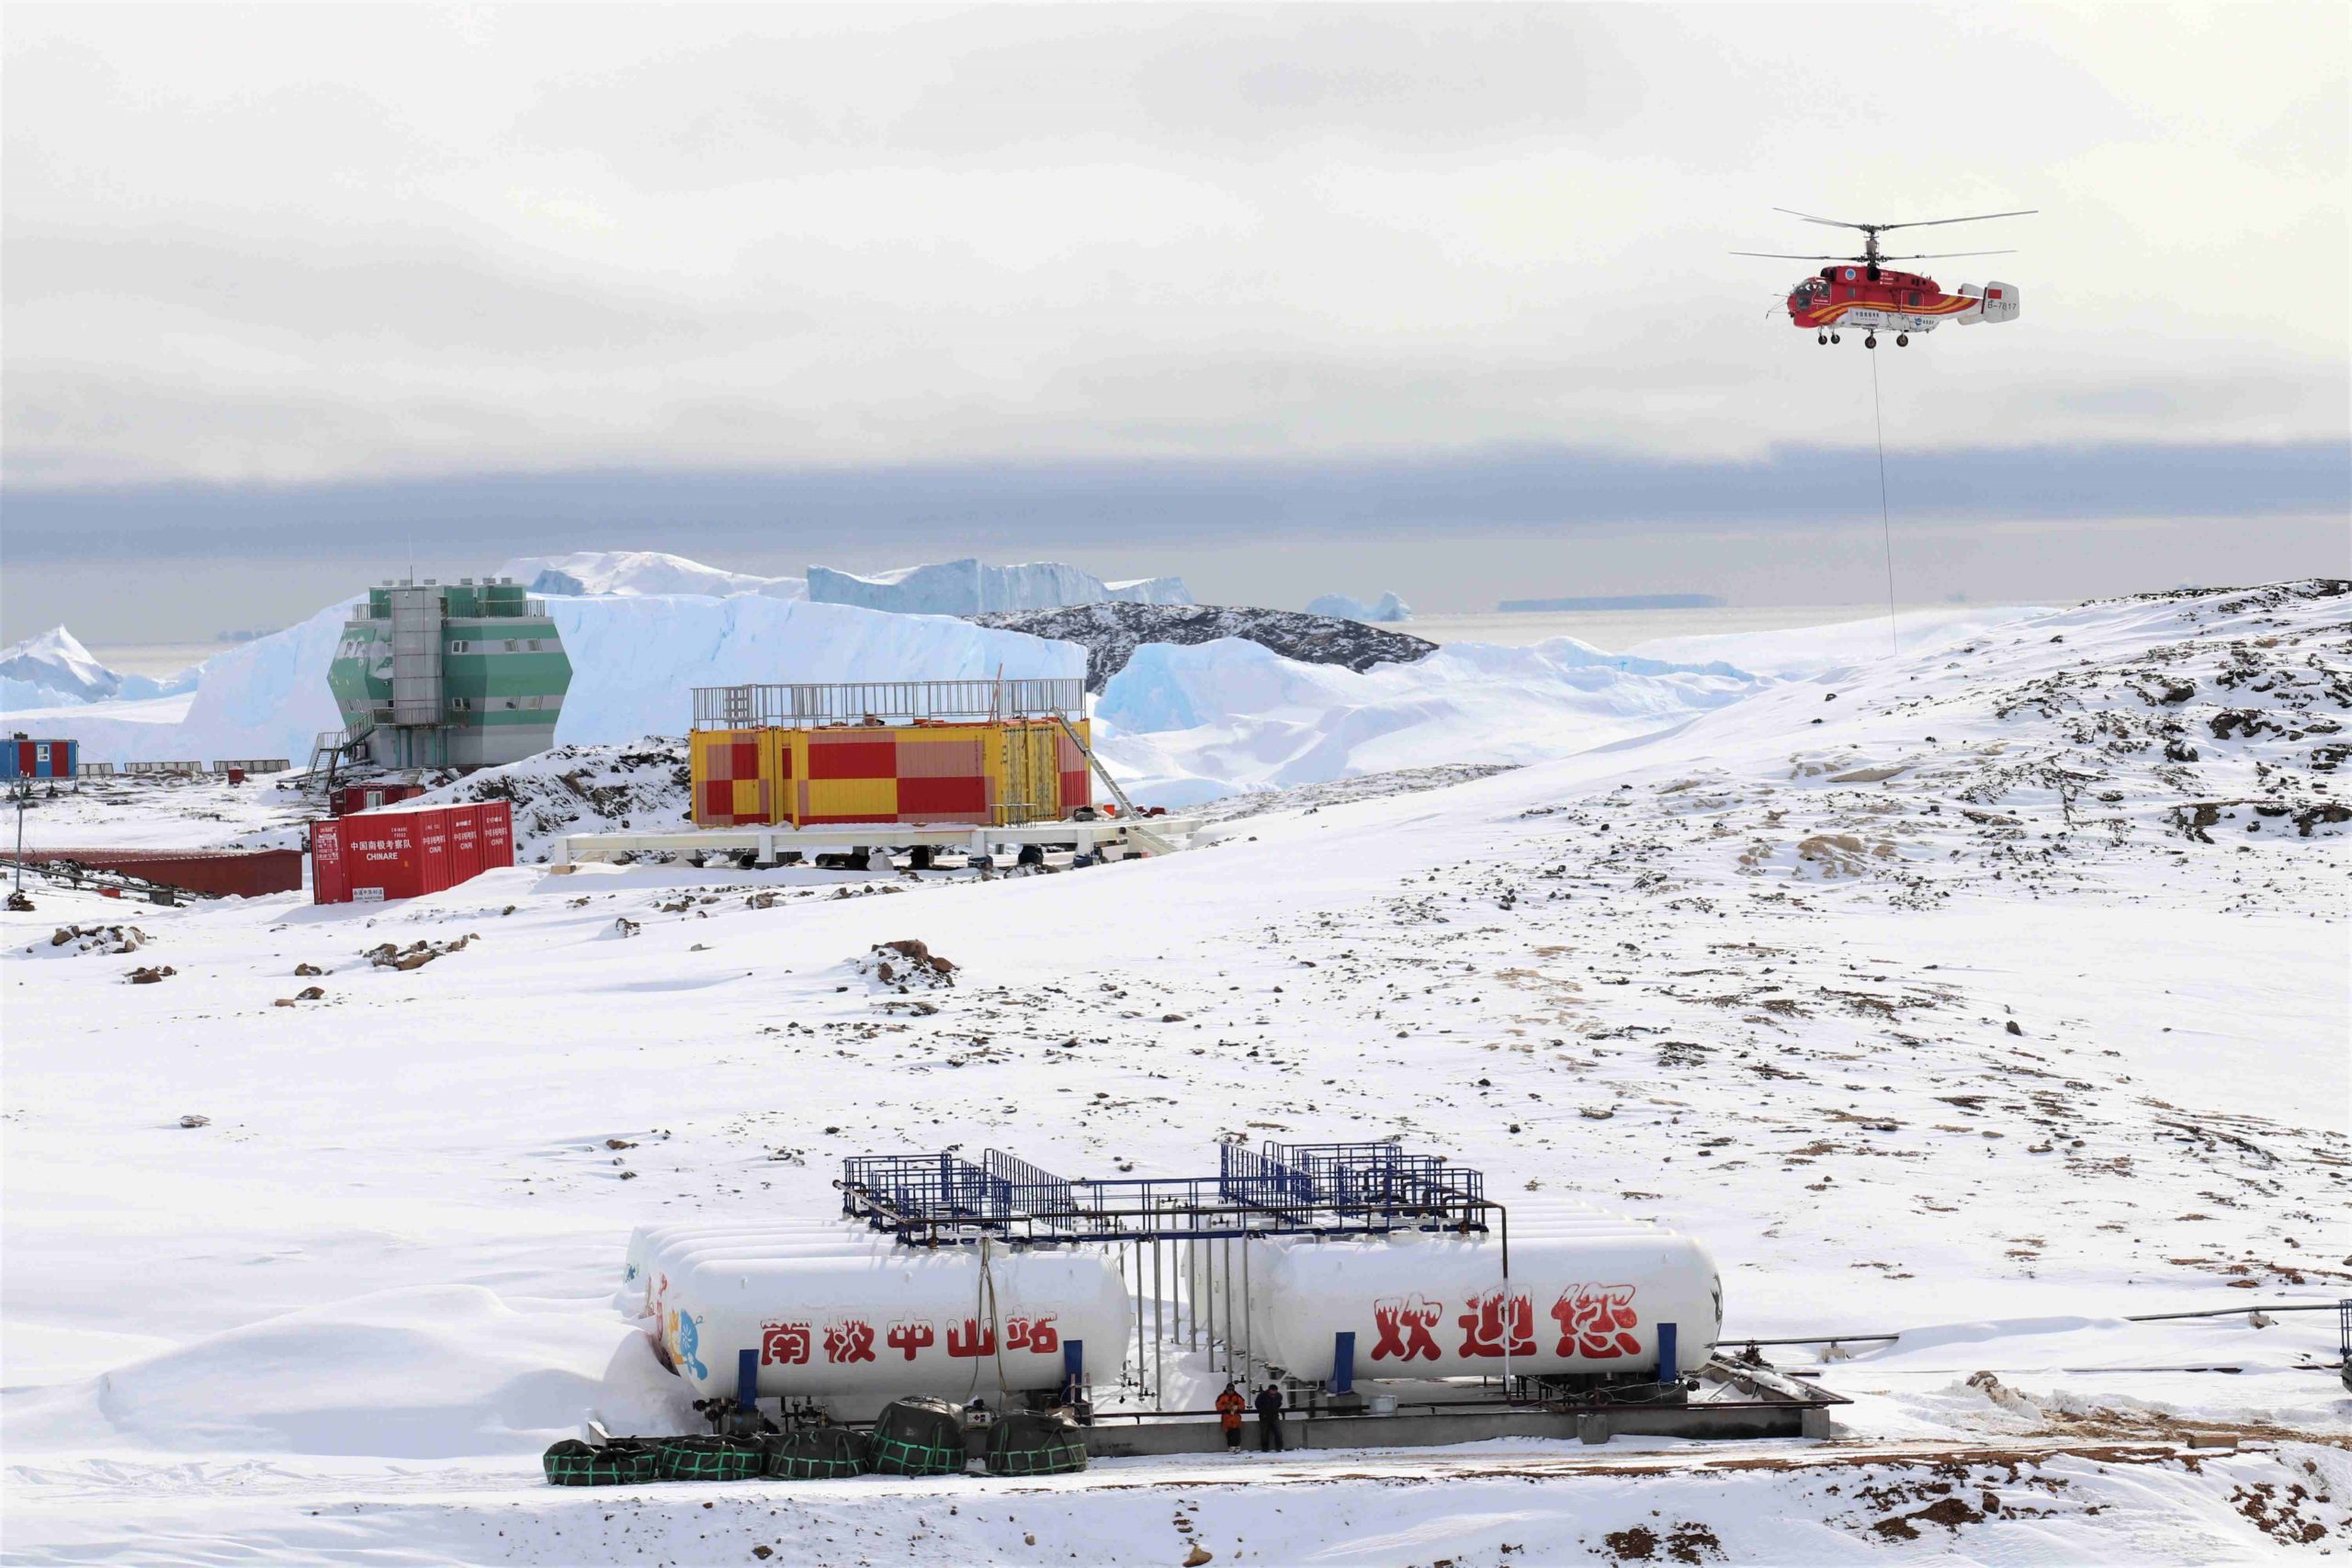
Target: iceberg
1388,608
54,670
970,587
630,573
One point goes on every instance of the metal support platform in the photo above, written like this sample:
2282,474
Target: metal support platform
1116,838
938,1199
1733,1403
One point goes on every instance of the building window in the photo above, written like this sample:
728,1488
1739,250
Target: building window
511,645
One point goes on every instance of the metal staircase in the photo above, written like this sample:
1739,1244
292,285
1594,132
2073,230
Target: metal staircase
331,750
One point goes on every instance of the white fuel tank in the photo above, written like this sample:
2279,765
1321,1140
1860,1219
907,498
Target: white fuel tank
893,1321
654,1251
1420,1305
1215,1271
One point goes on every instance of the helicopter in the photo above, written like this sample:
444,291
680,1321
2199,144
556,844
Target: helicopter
1866,293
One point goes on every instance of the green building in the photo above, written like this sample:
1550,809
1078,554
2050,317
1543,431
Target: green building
465,675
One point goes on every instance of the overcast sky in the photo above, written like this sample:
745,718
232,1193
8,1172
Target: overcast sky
337,246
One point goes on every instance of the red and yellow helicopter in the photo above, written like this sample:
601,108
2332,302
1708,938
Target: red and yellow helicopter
1864,292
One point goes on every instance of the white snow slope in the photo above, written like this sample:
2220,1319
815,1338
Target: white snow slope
1183,725
585,572
1986,997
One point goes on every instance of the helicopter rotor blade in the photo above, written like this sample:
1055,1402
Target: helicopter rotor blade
1781,256
1974,217
1947,255
1832,222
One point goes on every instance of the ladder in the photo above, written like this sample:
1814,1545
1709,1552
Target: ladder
1135,819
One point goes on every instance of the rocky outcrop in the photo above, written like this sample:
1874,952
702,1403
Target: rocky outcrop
1110,634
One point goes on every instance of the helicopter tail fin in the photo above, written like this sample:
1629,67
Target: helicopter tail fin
1996,303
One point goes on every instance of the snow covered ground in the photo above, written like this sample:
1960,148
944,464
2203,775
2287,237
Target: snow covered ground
1987,994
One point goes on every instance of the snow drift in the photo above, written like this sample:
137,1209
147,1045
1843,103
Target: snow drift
970,588
1183,724
431,1372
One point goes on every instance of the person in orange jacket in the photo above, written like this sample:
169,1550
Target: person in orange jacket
1230,1406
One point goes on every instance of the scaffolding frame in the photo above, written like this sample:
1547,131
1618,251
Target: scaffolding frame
1369,1189
1319,1190
815,704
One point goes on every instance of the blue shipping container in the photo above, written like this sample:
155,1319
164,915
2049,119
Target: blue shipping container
38,759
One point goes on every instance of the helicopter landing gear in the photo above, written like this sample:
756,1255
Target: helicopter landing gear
1823,338
1834,338
1902,339
1870,341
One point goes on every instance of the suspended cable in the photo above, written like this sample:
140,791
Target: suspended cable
1885,528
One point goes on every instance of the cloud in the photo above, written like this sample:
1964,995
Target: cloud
333,242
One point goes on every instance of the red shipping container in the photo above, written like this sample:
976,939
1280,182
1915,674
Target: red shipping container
432,849
350,799
330,883
373,855
465,844
497,819
370,857
243,874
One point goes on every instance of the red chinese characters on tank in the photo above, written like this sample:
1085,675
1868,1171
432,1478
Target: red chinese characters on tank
783,1344
1596,1324
849,1340
1488,1320
1035,1334
1405,1323
794,1343
1596,1321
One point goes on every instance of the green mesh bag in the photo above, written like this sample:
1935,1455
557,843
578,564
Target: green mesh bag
920,1436
574,1464
1025,1444
711,1458
820,1453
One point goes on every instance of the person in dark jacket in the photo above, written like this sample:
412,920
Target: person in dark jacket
1270,1420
